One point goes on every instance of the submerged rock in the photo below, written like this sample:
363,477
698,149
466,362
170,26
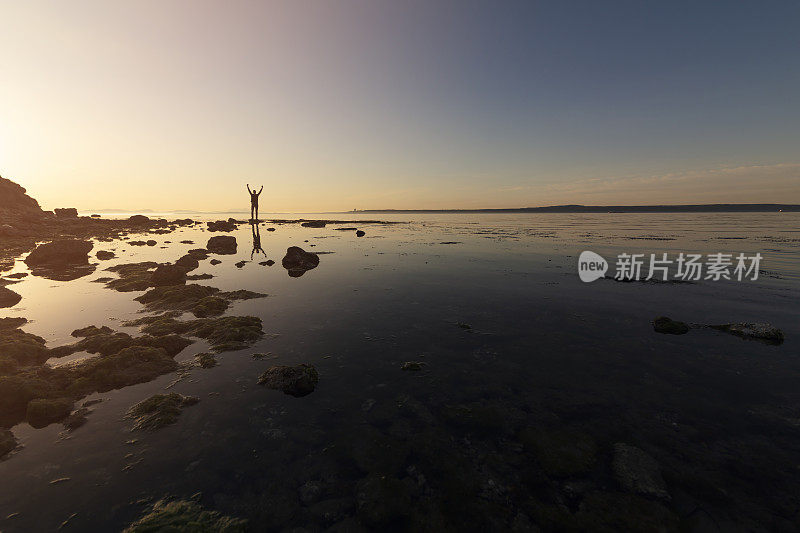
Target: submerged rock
7,442
382,500
222,244
413,366
8,298
185,515
300,380
240,264
159,410
297,261
215,261
561,453
759,331
638,472
665,324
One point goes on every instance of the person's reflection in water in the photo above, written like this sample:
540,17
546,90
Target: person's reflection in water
256,241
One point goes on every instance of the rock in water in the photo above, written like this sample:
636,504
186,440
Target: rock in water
185,515
159,410
300,380
7,442
60,253
297,261
138,219
638,472
168,275
314,224
360,233
759,331
8,298
222,225
222,244
66,212
42,412
104,255
664,324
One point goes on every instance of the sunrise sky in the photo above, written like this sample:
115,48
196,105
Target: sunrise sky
335,105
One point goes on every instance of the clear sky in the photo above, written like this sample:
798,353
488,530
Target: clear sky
335,105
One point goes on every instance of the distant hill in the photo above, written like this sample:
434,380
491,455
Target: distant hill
689,208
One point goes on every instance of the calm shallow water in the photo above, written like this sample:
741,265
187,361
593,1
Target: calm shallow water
545,352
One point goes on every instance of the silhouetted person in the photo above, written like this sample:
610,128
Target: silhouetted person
254,202
256,240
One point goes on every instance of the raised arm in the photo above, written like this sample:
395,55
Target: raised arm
248,189
261,189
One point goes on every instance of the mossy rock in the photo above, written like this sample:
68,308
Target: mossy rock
561,453
132,276
17,390
42,412
300,380
206,360
185,515
24,348
159,410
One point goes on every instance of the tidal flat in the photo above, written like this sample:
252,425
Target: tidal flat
432,372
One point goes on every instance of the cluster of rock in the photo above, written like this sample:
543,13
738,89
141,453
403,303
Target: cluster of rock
766,333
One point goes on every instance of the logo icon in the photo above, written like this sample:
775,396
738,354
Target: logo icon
591,266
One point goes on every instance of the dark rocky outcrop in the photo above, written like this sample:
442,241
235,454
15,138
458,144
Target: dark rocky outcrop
42,412
360,233
13,198
300,380
139,220
314,224
297,261
58,253
8,298
222,244
66,212
222,225
104,255
168,275
91,331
